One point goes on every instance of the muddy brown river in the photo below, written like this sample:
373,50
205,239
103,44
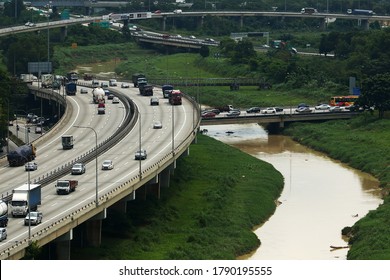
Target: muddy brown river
320,197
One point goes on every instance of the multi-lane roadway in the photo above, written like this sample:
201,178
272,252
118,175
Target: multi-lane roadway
178,122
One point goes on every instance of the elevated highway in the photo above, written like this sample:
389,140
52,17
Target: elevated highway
63,213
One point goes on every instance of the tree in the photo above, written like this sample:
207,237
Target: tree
376,93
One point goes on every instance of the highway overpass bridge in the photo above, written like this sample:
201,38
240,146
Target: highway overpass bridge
153,175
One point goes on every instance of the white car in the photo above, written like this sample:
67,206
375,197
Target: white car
125,85
112,83
31,166
140,155
322,107
115,100
157,125
107,165
83,90
33,218
270,110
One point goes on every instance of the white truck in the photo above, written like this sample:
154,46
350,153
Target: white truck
98,95
66,186
25,198
28,78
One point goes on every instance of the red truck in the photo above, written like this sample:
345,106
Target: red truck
101,108
175,97
66,186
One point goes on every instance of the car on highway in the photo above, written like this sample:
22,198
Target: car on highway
192,37
83,90
3,234
30,24
302,105
322,107
233,113
110,96
31,166
33,218
112,83
107,164
269,110
208,114
115,100
104,84
335,109
157,125
303,110
106,91
125,85
95,83
154,101
78,168
140,155
254,110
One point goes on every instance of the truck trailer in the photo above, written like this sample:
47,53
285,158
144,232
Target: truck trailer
21,155
3,214
25,198
67,142
66,186
71,88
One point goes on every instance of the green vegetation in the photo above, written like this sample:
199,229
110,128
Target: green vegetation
208,212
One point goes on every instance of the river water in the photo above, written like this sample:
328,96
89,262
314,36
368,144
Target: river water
320,197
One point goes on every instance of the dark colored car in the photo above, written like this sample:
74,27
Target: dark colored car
254,110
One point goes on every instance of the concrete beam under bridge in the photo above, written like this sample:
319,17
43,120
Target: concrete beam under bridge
62,246
94,229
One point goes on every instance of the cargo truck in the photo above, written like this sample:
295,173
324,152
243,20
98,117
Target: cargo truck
71,88
66,186
21,155
24,199
175,97
67,142
135,78
146,90
166,89
3,214
98,95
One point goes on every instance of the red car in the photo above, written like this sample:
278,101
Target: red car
208,114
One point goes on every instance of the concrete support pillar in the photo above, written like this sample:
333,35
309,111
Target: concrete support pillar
241,22
62,246
201,21
165,177
94,229
164,23
64,33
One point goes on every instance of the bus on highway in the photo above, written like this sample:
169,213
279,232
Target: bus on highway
347,100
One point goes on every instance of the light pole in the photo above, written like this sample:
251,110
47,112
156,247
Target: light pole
28,199
139,143
173,130
96,159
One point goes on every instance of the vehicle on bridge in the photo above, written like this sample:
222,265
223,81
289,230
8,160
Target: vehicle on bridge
309,11
3,214
344,101
66,186
31,166
166,89
24,198
71,88
360,12
254,110
322,107
98,95
67,142
72,76
175,97
101,108
21,155
3,234
140,155
137,76
78,168
33,218
303,110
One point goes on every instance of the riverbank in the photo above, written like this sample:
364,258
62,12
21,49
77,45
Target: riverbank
362,143
217,195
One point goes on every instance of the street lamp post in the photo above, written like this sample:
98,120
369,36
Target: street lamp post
28,199
96,160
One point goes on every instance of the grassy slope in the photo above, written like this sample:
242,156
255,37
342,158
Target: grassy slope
208,212
362,143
